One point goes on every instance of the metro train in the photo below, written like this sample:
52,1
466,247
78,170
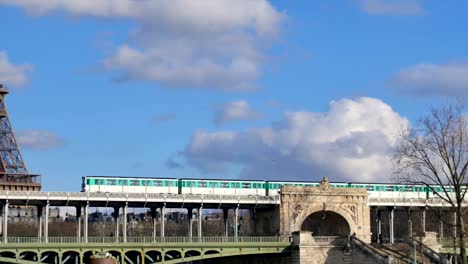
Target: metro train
236,187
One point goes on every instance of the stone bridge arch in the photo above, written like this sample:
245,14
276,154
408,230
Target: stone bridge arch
326,223
298,203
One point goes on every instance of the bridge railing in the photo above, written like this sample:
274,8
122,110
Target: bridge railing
447,241
157,240
119,195
329,240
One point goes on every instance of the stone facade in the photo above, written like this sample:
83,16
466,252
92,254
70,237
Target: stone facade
298,203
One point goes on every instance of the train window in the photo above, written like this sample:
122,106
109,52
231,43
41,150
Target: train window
122,182
135,183
157,183
111,182
202,184
246,185
145,183
224,184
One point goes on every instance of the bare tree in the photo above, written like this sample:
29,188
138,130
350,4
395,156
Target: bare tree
434,153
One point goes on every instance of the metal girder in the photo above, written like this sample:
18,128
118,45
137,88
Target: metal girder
14,260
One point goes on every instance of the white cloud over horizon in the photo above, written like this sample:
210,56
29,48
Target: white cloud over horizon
352,141
235,111
433,80
38,139
392,7
11,74
212,44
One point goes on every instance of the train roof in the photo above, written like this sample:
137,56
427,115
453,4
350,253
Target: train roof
132,177
247,180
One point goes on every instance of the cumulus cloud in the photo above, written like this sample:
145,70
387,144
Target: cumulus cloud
353,141
38,139
10,74
392,7
164,118
235,111
217,44
433,79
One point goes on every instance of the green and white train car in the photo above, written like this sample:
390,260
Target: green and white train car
274,187
129,184
220,186
244,187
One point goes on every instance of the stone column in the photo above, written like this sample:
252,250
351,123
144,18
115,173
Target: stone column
124,222
5,220
236,221
225,218
254,220
410,223
163,219
200,219
153,218
454,224
423,221
46,221
117,223
39,222
379,225
441,228
78,222
85,221
190,222
391,229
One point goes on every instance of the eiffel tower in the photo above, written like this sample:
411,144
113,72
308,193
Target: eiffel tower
14,175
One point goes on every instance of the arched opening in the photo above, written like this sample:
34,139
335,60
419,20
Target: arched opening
153,256
117,255
211,252
172,254
70,257
28,255
8,254
192,253
326,223
49,257
133,257
87,256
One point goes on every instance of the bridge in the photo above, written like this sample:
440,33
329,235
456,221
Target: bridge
136,250
316,212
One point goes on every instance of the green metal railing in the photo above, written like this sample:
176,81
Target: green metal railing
157,240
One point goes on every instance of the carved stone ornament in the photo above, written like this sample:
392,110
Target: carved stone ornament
325,184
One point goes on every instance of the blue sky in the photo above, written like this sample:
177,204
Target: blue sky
292,90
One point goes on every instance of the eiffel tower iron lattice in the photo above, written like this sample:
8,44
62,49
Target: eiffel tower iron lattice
13,172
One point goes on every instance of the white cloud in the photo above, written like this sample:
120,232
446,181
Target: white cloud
217,44
433,79
352,141
38,139
235,111
392,7
10,74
